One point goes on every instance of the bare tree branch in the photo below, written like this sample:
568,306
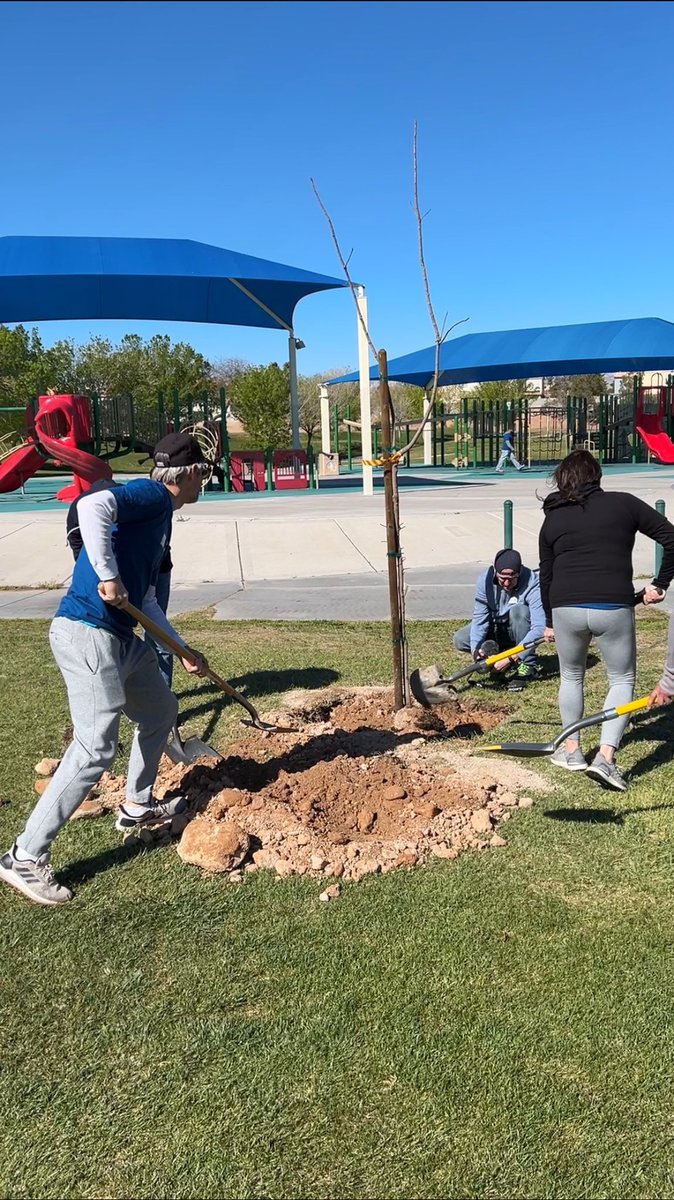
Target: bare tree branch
345,266
440,334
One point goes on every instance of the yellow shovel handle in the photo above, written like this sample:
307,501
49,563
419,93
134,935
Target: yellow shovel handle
633,706
494,658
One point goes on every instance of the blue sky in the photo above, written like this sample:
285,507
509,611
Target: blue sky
544,137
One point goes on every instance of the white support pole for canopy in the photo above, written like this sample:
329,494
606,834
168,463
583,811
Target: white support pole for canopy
325,420
428,432
365,406
294,394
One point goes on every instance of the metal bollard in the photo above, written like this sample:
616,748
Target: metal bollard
508,524
659,551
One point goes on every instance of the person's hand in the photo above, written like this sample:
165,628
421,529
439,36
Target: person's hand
548,634
113,592
503,664
653,595
196,664
658,697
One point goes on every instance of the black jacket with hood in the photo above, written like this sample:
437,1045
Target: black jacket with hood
585,548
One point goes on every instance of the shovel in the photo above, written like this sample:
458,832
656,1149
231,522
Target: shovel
539,749
429,687
160,635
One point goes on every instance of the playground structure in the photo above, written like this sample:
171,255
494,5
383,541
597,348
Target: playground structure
625,427
58,428
85,434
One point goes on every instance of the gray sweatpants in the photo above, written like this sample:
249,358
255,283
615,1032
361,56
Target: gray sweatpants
104,677
615,634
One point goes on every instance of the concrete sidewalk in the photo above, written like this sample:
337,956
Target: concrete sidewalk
313,556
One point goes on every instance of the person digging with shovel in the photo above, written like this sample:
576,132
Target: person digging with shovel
507,612
106,669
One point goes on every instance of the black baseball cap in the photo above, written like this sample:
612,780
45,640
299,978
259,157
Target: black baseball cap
178,450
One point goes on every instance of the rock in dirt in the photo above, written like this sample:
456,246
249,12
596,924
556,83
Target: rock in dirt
41,785
213,846
331,893
406,859
496,840
526,802
228,797
509,799
88,808
394,793
47,766
426,811
481,821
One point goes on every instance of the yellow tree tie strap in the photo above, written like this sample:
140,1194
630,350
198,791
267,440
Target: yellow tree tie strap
384,461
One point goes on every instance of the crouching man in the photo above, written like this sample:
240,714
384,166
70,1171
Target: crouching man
507,612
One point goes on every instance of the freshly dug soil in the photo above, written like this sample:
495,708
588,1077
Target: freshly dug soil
354,789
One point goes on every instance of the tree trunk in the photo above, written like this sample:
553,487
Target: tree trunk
394,557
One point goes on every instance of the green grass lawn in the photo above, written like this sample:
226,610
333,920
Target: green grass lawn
498,1026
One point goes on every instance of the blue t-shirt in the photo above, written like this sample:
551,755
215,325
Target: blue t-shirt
139,541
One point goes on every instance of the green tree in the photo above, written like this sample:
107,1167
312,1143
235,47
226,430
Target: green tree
27,370
560,386
408,402
260,398
500,393
309,392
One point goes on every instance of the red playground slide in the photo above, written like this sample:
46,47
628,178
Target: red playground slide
649,426
19,466
61,423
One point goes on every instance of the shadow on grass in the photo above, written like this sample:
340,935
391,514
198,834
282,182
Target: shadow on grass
657,727
257,683
601,816
266,683
84,869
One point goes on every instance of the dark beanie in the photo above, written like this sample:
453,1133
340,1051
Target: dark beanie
508,560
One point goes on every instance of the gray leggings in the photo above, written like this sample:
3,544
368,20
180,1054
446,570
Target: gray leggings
615,635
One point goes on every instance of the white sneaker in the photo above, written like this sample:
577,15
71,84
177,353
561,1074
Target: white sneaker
34,879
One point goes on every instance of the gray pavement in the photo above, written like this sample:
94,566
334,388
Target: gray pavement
317,556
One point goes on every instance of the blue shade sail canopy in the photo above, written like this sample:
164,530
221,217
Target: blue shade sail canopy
642,344
153,279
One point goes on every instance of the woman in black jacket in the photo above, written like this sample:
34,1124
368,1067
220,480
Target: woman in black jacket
585,547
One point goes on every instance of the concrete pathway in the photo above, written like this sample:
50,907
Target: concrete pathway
312,556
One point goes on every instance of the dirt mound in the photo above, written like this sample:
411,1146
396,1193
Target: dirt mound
353,790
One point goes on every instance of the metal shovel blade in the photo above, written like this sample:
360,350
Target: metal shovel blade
539,749
429,688
189,751
523,749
